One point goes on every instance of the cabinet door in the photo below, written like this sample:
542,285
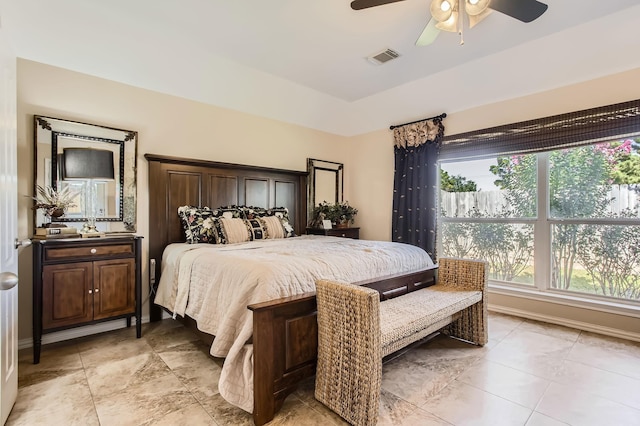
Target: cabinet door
66,294
114,290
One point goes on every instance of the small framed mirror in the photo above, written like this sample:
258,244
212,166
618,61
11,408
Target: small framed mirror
88,159
326,183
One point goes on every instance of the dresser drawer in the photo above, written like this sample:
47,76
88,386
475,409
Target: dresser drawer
336,232
88,251
344,232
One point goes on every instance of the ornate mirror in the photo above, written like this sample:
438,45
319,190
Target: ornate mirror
113,199
325,183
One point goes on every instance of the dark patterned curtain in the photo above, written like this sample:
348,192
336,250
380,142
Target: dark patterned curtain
415,197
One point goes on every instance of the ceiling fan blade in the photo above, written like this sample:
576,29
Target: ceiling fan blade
365,4
523,10
429,34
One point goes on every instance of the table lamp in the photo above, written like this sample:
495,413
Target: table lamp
92,166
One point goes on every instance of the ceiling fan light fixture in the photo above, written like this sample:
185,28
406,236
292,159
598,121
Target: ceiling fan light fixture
441,10
474,19
450,24
476,7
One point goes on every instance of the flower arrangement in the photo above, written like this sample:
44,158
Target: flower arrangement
54,203
338,213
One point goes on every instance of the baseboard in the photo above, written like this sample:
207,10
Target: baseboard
594,328
74,333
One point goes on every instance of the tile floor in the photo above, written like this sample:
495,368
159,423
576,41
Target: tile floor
530,374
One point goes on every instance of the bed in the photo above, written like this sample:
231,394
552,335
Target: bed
274,345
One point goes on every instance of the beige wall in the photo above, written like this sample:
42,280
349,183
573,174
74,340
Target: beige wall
371,171
173,126
372,165
166,124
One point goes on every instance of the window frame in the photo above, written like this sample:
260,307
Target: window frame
540,136
542,251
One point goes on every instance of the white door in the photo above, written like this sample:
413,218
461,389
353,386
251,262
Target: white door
8,232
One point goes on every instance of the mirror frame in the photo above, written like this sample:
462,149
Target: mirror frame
313,167
47,130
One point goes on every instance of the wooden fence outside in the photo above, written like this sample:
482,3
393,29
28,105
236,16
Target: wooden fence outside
460,204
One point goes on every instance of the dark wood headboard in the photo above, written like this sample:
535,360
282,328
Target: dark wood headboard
175,182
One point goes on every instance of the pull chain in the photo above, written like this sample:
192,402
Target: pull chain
461,14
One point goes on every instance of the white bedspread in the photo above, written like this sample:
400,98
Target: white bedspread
213,284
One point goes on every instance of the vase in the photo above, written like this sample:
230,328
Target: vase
50,214
342,225
56,212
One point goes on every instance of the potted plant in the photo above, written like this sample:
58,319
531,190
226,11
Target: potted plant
340,214
344,214
53,203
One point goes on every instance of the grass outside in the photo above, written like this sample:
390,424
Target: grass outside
581,282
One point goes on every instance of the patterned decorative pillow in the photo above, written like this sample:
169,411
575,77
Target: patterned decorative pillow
229,212
256,228
272,226
198,224
251,212
232,231
282,213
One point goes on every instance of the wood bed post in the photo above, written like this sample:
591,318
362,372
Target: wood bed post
264,405
285,347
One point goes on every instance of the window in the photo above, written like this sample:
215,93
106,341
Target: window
560,220
551,203
487,214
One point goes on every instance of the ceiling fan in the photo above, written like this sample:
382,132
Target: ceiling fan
446,14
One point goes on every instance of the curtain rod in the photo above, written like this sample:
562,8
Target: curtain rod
441,116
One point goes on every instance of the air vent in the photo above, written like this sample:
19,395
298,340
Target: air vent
384,56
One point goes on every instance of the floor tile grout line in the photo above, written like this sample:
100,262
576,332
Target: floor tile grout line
153,349
86,378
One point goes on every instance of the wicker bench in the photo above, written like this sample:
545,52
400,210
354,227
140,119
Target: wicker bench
356,330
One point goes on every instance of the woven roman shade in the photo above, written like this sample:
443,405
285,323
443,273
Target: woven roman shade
584,127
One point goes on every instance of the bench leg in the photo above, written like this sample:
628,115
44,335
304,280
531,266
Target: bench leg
349,372
471,326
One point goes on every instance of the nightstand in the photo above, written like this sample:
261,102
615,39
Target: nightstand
353,233
83,281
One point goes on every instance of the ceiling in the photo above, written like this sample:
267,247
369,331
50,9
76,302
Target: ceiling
304,62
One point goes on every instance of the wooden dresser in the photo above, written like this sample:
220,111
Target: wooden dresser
83,281
353,233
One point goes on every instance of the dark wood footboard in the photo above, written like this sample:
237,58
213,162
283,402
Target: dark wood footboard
285,346
285,340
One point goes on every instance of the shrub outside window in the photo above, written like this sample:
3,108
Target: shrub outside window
576,211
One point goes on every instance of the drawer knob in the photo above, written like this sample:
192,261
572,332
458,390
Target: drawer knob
94,251
97,290
90,291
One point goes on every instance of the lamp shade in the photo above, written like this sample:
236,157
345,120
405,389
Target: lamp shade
441,10
87,163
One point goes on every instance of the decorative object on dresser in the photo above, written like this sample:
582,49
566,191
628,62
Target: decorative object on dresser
53,204
79,282
341,214
56,232
353,233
